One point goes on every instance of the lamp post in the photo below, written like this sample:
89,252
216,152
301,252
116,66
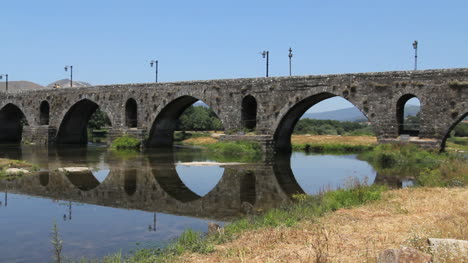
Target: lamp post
6,79
290,56
415,46
265,54
155,63
71,74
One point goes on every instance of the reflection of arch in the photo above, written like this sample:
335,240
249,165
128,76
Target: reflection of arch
248,192
44,178
249,112
282,136
130,181
131,113
285,176
161,133
400,111
164,171
73,129
44,113
85,180
12,120
447,134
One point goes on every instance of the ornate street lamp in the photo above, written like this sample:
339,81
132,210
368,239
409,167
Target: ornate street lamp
6,79
265,54
290,56
71,74
155,63
415,46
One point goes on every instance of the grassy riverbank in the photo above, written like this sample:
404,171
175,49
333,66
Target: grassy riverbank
307,143
14,168
332,143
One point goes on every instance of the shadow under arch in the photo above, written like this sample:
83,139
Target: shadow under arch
73,128
249,112
131,113
400,115
44,110
12,120
162,130
447,134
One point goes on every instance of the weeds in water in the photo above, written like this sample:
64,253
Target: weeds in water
57,243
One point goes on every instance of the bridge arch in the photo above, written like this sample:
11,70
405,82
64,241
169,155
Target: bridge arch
447,133
73,128
131,113
249,112
290,117
12,120
403,126
162,130
44,111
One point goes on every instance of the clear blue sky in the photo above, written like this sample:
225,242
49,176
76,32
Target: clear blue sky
113,41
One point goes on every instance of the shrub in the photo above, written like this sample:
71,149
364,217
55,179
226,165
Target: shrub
126,142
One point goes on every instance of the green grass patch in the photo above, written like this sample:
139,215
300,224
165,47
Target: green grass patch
428,168
126,142
8,163
236,148
331,148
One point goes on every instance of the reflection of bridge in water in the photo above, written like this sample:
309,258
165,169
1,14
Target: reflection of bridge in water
151,183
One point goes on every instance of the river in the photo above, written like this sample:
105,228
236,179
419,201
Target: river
129,201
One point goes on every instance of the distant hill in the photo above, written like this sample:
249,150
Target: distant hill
351,114
65,83
20,86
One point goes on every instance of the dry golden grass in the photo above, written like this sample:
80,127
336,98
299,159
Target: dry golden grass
200,141
333,139
402,218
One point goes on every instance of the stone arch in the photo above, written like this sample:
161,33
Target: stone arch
73,128
447,134
249,112
162,130
44,111
285,127
400,116
12,120
131,113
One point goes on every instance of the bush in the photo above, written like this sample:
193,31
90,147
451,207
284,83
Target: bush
236,148
126,142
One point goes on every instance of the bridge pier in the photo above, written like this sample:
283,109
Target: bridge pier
39,135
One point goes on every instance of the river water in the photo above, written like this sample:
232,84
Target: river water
129,201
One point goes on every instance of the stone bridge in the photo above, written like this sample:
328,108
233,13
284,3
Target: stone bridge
268,106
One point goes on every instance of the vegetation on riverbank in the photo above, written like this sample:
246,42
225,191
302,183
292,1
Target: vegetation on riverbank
22,166
332,143
126,142
304,208
427,168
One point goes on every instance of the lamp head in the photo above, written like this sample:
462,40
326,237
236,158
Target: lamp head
66,68
415,44
151,63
